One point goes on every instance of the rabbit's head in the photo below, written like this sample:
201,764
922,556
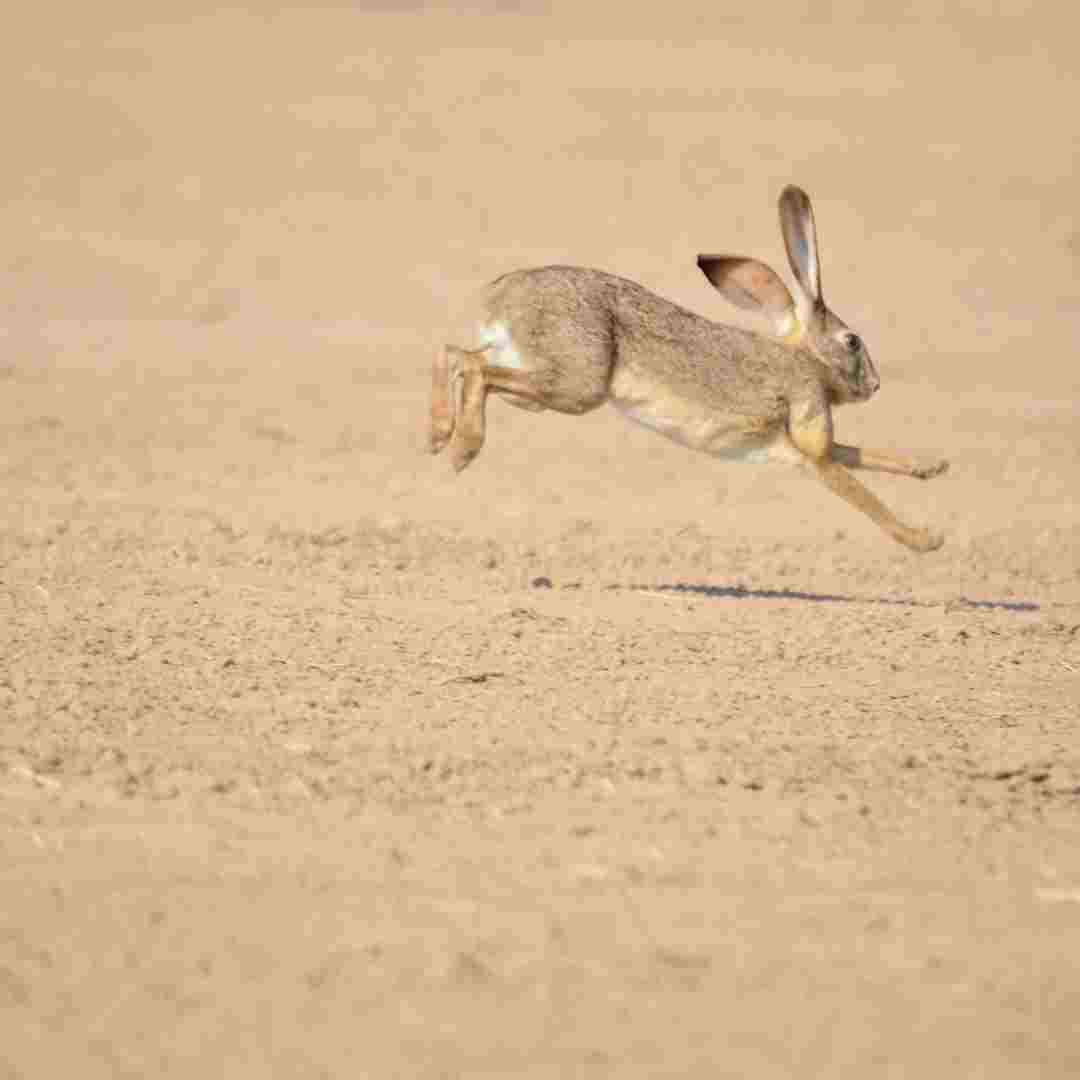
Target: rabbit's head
806,324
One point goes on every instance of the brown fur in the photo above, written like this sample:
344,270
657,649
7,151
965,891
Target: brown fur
576,338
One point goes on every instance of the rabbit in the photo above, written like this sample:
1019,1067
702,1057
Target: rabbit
569,339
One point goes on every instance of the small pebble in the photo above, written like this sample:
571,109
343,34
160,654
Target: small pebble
541,583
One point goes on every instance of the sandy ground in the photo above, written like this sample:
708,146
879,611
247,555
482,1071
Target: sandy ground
300,773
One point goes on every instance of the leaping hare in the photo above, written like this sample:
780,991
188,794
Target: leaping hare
569,339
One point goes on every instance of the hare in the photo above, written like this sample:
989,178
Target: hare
569,339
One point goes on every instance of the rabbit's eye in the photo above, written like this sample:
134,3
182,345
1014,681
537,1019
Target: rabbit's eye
852,343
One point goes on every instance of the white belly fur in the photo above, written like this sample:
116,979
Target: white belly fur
724,437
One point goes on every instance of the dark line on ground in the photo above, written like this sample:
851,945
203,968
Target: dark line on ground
739,592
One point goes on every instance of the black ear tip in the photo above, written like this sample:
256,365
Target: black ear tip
707,265
794,194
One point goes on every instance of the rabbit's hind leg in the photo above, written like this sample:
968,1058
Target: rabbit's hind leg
467,439
477,381
442,401
515,387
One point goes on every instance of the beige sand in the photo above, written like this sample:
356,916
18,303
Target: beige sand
301,777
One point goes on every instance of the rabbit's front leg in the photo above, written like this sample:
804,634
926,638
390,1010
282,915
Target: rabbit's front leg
811,430
887,461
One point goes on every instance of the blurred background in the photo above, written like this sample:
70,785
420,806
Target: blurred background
356,163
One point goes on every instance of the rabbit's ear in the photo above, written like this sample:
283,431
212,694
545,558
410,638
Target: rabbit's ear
800,239
751,285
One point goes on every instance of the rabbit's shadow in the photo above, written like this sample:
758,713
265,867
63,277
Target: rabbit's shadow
738,592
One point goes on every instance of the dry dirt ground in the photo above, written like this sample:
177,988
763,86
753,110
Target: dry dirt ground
302,775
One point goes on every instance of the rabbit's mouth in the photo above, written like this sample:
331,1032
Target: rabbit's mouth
871,379
869,388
